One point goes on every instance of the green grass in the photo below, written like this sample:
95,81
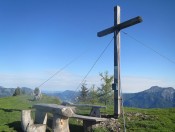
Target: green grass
143,120
137,120
10,110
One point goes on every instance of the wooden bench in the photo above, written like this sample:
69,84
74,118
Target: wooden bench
89,122
61,115
95,111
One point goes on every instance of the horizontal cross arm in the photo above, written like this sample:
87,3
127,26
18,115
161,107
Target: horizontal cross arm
106,31
129,23
119,27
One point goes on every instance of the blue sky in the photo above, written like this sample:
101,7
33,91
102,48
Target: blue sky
38,37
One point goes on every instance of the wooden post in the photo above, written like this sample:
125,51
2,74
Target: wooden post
88,125
26,119
28,125
60,123
95,112
116,62
116,86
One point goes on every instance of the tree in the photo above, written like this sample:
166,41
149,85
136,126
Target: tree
93,96
36,91
23,91
83,93
17,91
105,91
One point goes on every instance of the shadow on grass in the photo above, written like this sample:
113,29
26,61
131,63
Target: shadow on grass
15,125
75,128
31,100
9,110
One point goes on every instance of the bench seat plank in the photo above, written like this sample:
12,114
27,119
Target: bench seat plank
82,105
89,118
88,105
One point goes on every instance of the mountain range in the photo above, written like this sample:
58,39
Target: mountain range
5,92
154,97
67,95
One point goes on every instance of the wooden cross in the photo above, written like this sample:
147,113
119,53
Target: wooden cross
116,30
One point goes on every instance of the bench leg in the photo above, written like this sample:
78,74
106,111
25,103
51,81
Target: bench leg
88,125
26,119
60,123
28,125
37,128
40,117
95,112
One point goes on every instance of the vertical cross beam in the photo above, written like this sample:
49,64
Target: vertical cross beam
116,84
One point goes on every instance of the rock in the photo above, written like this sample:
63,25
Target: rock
111,124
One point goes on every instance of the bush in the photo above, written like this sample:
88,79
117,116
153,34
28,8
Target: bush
17,92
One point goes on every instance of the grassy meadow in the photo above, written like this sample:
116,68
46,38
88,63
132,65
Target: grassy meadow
137,120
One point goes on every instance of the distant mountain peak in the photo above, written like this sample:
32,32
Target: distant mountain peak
154,89
154,97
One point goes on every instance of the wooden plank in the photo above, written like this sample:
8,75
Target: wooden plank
88,105
82,105
129,23
95,109
116,59
119,27
89,118
54,108
107,31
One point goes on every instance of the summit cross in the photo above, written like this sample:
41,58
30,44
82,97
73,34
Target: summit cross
116,86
